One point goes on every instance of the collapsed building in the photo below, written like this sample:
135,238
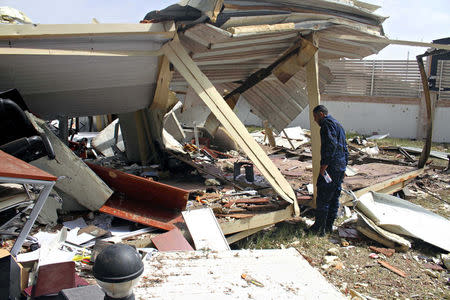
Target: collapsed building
273,53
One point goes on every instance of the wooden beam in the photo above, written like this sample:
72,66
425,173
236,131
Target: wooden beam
60,30
36,51
243,234
429,125
269,134
217,10
257,221
312,86
383,40
161,96
261,29
208,93
212,124
290,66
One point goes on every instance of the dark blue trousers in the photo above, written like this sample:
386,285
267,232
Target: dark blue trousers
328,194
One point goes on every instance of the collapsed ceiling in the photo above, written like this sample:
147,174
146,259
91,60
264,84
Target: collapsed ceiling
250,35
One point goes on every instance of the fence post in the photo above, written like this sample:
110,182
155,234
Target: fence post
373,77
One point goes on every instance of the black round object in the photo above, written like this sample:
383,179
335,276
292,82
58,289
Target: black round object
118,263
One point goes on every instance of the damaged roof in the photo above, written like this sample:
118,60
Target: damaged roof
95,69
250,35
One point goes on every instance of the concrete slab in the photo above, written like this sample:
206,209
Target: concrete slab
284,273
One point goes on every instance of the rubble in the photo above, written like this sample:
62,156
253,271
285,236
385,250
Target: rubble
181,188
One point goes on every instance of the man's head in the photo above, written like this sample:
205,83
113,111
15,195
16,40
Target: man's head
319,112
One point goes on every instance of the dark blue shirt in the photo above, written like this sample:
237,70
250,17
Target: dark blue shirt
333,150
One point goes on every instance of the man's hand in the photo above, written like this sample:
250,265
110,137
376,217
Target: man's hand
322,169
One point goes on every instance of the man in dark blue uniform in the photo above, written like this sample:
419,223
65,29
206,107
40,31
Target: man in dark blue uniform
334,158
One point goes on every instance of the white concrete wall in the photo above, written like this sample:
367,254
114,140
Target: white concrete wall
441,129
398,120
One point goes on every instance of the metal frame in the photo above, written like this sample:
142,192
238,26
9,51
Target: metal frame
48,185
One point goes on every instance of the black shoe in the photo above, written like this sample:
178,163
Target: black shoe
318,228
329,225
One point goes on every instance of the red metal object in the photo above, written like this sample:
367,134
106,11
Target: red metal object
172,241
13,167
142,200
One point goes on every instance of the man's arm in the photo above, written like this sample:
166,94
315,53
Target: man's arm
329,145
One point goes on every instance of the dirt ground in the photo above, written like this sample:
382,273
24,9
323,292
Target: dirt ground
354,271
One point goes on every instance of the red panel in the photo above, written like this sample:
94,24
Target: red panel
142,200
139,211
172,241
11,166
142,189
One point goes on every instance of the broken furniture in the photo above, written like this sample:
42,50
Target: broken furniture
14,170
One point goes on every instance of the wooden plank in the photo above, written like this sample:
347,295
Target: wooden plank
161,96
429,122
288,68
269,134
243,234
257,221
208,93
261,29
58,30
217,10
312,86
212,124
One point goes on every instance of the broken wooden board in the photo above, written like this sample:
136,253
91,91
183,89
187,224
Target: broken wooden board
259,220
78,180
205,89
217,275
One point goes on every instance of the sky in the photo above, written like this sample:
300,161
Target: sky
415,20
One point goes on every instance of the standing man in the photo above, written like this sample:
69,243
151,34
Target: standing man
334,158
